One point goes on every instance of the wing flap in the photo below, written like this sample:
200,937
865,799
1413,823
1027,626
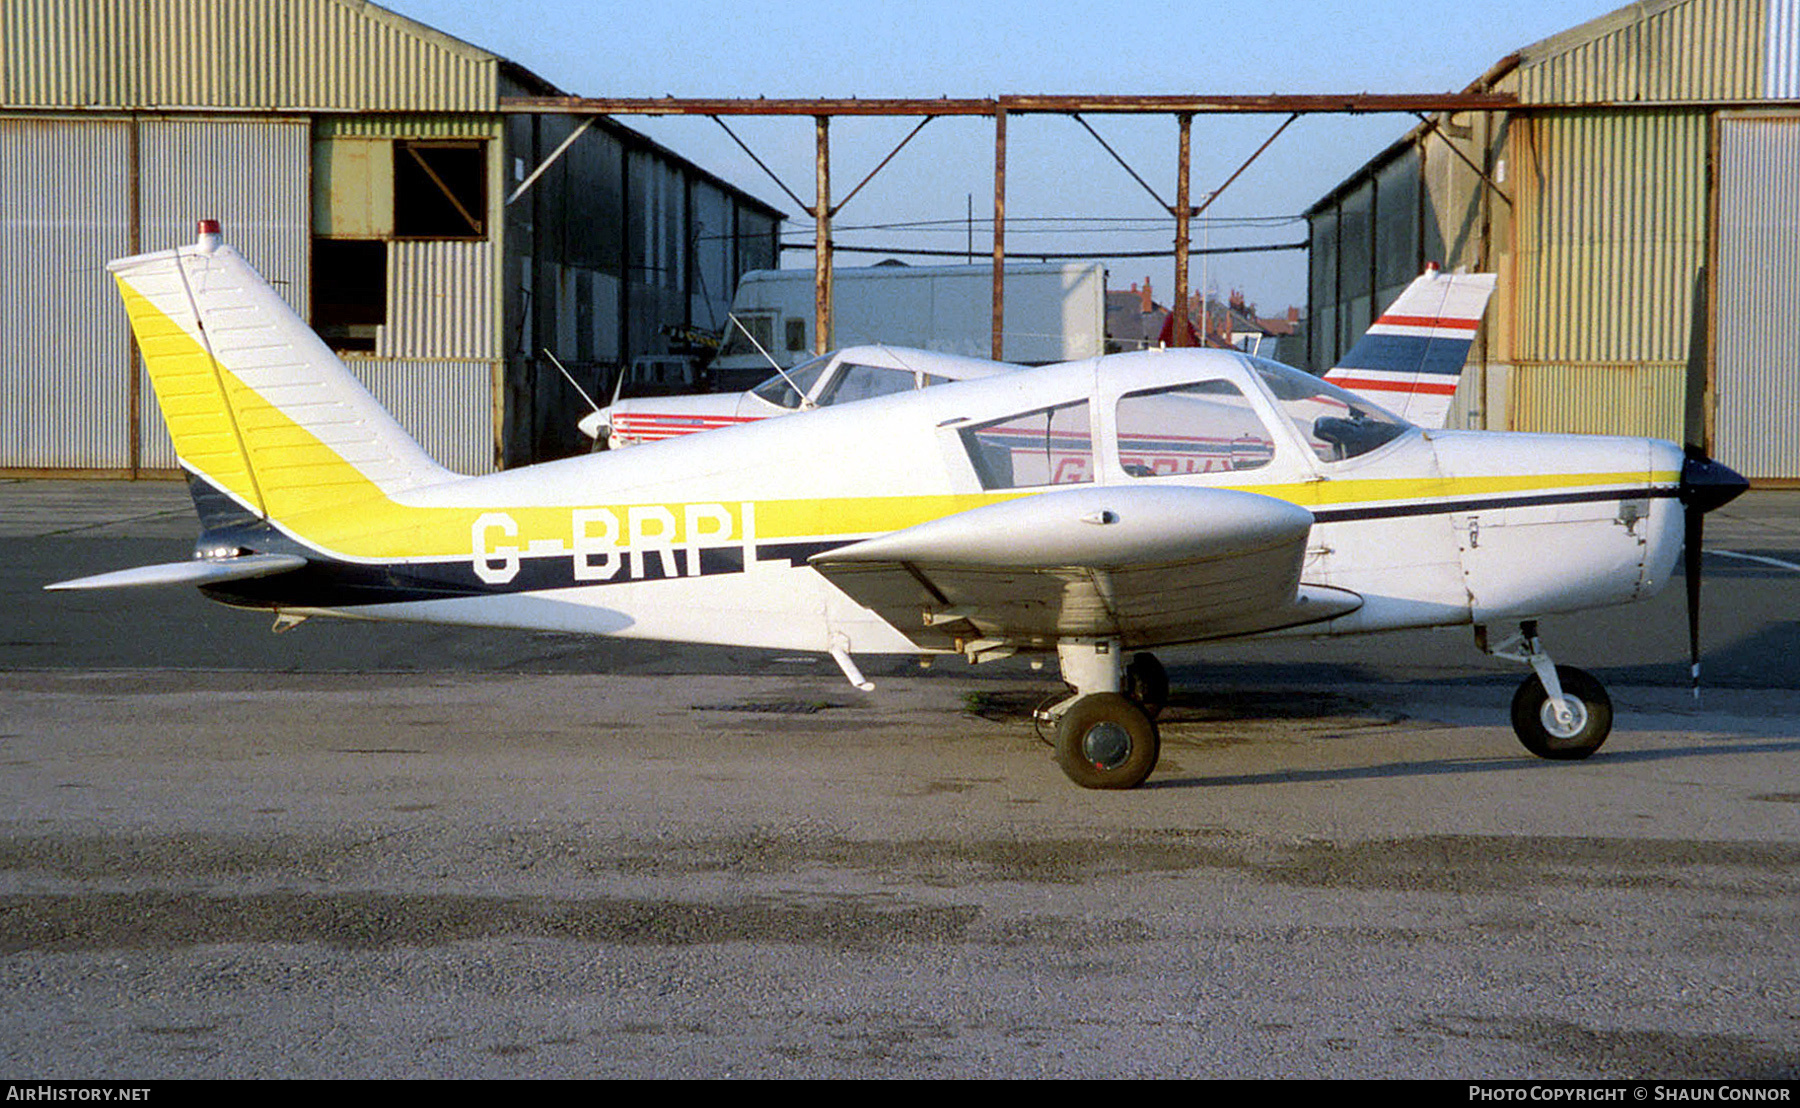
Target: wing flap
1143,564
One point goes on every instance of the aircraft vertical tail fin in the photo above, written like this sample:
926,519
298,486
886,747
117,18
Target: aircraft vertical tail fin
262,413
1411,359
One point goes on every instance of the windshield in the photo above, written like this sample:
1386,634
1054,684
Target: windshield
1200,427
1337,424
777,390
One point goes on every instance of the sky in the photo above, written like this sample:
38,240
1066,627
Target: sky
1064,192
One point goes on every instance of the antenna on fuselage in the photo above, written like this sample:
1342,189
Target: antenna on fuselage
805,402
570,378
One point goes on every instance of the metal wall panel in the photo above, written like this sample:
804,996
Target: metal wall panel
1356,263
714,277
1781,50
1641,398
253,176
279,54
65,356
1757,353
1610,228
1455,199
442,301
1321,290
447,406
1397,247
756,241
1680,50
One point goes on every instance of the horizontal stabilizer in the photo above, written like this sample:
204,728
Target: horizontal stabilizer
196,571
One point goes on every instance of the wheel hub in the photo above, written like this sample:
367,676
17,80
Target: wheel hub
1106,746
1559,729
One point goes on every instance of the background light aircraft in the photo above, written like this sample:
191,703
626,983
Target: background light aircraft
1093,509
837,377
1409,361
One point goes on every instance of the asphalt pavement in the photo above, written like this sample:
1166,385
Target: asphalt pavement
391,851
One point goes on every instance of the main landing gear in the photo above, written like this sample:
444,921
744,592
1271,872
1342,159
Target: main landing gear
1106,731
1560,712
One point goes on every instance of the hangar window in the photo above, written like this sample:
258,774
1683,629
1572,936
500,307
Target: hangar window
440,190
1203,427
349,292
1051,446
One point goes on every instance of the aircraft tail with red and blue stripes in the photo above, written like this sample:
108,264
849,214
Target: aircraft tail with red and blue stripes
1411,360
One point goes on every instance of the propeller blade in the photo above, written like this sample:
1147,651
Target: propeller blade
1693,536
1705,485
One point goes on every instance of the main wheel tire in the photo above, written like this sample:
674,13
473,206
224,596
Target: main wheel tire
1104,741
1543,734
1147,683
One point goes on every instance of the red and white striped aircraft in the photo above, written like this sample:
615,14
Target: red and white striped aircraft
1411,360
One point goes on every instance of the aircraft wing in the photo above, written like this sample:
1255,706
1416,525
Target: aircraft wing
1146,565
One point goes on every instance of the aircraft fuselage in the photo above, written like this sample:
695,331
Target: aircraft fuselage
706,538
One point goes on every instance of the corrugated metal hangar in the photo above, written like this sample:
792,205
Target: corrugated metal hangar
1648,144
362,163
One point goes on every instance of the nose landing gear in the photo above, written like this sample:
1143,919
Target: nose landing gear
1560,712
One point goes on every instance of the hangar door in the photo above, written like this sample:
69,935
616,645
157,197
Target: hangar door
75,399
65,361
1756,369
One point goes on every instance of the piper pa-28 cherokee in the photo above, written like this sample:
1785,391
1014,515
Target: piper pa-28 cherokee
1096,509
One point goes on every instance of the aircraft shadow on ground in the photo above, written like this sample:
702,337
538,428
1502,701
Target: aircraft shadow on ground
1200,721
1452,765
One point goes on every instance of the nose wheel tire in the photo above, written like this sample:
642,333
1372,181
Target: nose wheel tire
1535,719
1104,741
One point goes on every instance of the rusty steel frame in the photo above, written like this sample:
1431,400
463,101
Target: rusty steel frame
999,108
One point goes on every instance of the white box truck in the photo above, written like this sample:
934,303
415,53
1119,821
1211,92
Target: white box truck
1054,313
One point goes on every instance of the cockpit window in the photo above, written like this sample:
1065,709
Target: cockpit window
1051,446
1202,427
778,391
1335,423
865,382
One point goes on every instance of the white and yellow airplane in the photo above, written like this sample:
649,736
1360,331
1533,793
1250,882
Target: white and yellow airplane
1093,509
